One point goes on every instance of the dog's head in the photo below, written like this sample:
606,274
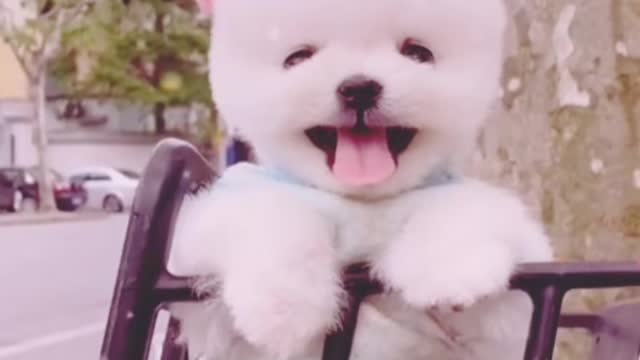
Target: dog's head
359,97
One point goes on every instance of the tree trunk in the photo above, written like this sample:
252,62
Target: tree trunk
566,135
160,121
47,202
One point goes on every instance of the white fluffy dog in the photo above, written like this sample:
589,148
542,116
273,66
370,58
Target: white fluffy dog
361,114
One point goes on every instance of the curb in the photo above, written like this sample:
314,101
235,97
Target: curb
56,217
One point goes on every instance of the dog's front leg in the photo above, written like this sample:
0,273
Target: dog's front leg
461,243
273,254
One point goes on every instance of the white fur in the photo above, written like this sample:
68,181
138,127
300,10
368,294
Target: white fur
274,249
460,227
270,266
441,246
272,107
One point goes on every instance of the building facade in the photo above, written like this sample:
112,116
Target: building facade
112,135
15,109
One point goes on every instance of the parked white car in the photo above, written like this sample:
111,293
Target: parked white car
108,188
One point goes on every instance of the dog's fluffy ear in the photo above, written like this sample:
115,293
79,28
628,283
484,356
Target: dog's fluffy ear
206,6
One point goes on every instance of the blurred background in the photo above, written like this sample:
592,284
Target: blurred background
87,88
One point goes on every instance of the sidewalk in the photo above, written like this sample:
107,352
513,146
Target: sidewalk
8,219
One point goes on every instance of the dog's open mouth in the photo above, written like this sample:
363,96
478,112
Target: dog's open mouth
362,155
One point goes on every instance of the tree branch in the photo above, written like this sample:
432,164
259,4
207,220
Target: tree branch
60,17
7,29
138,64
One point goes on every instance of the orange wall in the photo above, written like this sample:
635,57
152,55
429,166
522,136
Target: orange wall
13,82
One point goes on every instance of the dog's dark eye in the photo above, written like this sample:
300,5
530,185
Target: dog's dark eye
416,52
299,56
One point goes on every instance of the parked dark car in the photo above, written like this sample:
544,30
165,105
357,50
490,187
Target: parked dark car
68,195
10,195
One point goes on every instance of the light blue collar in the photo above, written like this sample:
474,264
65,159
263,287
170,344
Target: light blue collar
439,177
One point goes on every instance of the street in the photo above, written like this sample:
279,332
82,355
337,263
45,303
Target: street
57,280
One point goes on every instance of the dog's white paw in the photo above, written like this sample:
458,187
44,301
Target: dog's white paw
445,274
284,299
462,243
283,315
279,274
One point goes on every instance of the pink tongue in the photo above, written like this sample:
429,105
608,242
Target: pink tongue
363,159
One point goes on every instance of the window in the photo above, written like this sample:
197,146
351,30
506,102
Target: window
89,176
130,174
96,176
78,178
13,175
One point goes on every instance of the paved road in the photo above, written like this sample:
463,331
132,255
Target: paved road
56,283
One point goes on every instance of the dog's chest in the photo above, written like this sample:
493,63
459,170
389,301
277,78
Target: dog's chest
362,233
363,228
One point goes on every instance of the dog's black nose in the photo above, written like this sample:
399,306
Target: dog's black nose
359,92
